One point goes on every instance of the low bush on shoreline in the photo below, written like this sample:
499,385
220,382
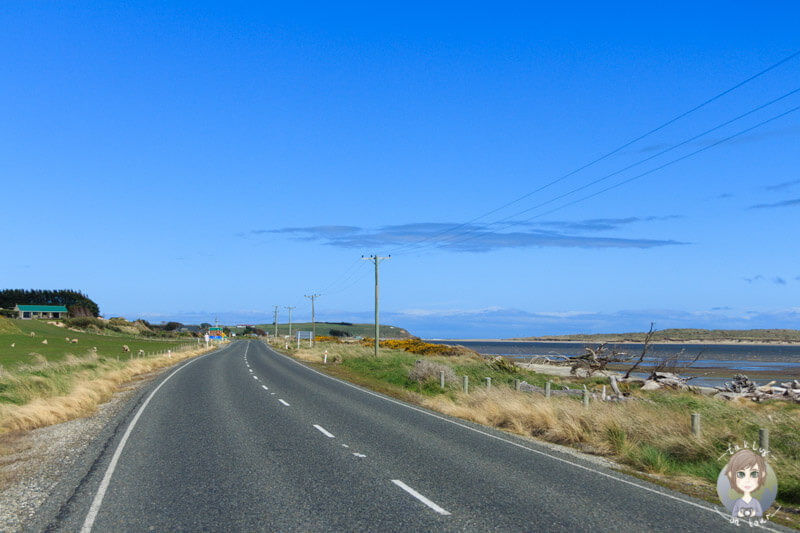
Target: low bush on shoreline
650,433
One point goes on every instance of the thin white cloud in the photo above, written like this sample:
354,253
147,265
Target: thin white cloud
785,203
474,237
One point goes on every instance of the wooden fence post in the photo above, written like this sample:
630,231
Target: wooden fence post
696,424
763,439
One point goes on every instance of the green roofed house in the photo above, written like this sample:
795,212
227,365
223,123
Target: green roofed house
41,311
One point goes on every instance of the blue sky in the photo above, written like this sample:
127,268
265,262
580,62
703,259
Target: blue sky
185,161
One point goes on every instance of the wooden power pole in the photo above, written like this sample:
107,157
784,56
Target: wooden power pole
290,318
376,260
313,319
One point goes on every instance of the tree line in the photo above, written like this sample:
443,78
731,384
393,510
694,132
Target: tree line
77,303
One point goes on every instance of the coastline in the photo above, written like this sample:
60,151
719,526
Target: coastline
608,341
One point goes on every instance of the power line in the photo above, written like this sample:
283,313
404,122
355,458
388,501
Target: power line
605,156
364,274
637,163
660,167
351,271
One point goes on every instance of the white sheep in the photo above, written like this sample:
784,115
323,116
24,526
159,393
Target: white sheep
125,348
141,353
44,341
33,333
66,339
74,341
12,344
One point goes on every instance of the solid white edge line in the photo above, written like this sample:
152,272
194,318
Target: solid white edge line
496,437
420,497
264,387
283,402
324,431
101,491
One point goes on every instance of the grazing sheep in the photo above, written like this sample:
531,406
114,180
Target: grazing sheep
33,333
125,348
94,348
66,339
44,341
12,344
141,353
74,341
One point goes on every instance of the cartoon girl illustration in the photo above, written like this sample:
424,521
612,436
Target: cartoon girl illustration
747,472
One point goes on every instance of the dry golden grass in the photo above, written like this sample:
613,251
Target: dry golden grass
610,429
87,387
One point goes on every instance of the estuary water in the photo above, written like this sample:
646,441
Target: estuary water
717,363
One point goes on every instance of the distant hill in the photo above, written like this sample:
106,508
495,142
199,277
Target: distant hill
684,335
353,330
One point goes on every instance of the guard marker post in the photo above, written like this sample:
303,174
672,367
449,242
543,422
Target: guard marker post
516,384
763,439
585,398
547,390
465,384
488,383
441,379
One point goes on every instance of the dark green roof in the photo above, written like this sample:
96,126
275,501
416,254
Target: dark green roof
43,308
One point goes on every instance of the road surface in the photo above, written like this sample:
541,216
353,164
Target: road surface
245,439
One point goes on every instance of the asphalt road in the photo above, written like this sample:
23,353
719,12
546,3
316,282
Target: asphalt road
245,439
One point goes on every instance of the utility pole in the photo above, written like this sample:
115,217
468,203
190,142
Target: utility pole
276,322
290,318
313,319
376,260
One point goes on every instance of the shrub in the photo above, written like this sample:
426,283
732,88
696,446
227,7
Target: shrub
339,333
422,348
85,322
428,370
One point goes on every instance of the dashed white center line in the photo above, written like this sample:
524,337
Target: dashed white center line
420,497
324,431
264,387
283,402
361,455
255,377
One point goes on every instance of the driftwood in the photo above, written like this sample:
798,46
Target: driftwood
647,339
742,387
595,360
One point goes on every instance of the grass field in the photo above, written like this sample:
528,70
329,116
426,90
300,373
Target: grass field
47,383
26,347
649,434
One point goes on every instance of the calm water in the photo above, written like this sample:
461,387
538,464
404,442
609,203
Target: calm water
763,362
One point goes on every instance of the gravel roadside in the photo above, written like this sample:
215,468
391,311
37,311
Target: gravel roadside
32,463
